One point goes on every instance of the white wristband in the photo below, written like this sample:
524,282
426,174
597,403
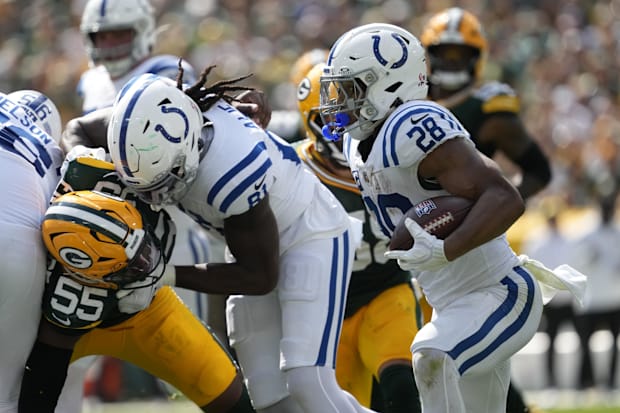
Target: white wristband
169,277
201,267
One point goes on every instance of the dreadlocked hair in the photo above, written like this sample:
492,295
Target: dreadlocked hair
204,96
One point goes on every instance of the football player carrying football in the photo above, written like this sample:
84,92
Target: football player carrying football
457,49
382,314
109,253
402,149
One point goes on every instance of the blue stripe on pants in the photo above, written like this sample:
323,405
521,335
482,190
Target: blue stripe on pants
502,311
336,256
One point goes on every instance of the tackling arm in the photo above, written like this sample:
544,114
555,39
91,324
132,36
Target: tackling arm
89,130
255,105
46,370
253,239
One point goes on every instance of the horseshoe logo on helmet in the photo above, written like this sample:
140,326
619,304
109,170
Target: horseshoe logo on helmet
161,129
382,60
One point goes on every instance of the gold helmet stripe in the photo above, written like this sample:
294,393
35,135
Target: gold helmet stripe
91,218
452,32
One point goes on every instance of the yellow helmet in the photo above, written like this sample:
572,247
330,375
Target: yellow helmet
455,27
308,101
305,62
100,239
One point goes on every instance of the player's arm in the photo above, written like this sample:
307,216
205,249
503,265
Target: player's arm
508,134
46,369
463,171
255,105
88,130
253,239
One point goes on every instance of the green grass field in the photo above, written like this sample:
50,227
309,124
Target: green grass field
549,401
186,407
587,410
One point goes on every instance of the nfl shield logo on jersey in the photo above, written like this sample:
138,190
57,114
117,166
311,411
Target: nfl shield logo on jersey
425,207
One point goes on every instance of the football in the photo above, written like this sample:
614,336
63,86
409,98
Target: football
438,216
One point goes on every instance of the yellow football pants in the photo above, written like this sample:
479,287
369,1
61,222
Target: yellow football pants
168,341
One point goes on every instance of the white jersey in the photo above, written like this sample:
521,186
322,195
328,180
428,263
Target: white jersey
390,186
242,163
31,162
98,90
298,323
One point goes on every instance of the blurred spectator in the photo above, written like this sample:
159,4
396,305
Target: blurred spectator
553,248
599,259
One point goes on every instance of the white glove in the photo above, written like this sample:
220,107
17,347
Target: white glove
81,151
137,296
427,253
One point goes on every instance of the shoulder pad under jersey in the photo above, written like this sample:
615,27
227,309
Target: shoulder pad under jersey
245,175
87,173
415,129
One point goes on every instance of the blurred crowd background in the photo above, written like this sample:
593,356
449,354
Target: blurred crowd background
562,58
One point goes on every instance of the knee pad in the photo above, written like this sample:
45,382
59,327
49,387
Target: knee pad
253,317
429,365
256,341
311,384
438,379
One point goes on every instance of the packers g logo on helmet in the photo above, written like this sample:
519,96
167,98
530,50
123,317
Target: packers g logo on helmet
100,239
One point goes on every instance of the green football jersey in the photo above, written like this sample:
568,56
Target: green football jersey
69,304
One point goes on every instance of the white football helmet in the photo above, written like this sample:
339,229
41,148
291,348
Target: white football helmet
370,70
110,15
41,110
154,138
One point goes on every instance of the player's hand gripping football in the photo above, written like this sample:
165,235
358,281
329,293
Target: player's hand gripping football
427,253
